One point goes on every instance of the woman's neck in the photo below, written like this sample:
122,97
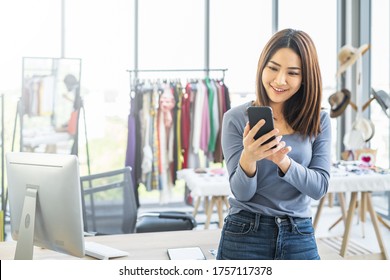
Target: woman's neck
277,110
279,120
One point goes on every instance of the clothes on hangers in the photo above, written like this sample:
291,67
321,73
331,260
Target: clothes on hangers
38,96
169,125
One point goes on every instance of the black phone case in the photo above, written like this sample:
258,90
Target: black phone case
256,113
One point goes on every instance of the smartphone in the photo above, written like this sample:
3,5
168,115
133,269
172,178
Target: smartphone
255,114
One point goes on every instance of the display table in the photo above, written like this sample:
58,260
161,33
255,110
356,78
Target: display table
342,181
206,183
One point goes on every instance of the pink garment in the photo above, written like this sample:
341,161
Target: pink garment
167,103
186,123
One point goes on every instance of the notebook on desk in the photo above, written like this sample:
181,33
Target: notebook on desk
103,252
189,253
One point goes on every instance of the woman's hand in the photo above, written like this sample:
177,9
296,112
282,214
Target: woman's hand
254,150
280,157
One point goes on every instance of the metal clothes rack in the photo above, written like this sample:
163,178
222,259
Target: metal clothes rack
134,77
205,70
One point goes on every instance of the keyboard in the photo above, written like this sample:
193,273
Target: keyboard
103,252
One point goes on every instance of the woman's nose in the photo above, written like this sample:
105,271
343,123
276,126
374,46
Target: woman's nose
280,79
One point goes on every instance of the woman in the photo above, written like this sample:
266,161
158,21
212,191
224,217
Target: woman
269,216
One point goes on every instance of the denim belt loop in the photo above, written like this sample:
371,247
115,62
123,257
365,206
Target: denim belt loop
257,222
292,222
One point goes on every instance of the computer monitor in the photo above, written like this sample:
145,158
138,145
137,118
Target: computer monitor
45,203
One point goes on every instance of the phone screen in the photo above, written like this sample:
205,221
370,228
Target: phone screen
255,114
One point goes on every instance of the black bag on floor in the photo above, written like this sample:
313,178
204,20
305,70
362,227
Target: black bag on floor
165,221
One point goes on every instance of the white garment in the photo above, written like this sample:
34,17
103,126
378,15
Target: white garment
198,110
47,93
147,158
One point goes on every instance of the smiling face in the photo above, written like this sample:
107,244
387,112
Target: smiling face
282,75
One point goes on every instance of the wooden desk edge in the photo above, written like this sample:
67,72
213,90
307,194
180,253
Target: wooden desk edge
146,246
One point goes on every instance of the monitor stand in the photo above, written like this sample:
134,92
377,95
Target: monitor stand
25,244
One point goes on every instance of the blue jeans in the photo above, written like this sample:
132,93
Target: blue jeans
252,236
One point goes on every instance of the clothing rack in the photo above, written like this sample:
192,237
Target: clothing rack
206,70
40,67
160,175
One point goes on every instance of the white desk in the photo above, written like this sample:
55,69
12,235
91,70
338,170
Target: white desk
341,182
146,246
214,183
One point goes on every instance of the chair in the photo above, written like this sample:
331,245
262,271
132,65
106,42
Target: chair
109,207
108,202
165,221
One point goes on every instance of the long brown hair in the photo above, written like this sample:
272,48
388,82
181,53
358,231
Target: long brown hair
302,110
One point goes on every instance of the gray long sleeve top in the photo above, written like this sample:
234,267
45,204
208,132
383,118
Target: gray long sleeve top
268,192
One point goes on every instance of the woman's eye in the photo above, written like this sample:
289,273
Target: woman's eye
273,68
294,73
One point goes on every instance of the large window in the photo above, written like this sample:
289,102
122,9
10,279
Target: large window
322,28
238,33
171,36
380,77
27,28
98,32
380,81
101,34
